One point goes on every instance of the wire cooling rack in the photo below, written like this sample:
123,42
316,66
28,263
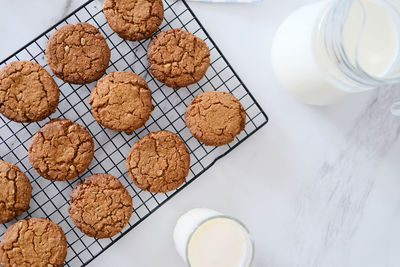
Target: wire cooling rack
51,199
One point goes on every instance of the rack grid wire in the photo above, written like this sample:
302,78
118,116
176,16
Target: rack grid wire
51,199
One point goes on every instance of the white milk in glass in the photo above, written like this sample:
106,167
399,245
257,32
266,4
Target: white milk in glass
206,238
300,61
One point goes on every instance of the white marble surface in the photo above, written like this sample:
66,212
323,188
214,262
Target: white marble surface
316,186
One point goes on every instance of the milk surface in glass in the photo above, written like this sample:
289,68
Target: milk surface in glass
206,238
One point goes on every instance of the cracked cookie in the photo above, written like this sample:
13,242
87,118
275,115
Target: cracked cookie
33,242
28,93
159,162
15,192
134,20
61,150
178,58
78,53
121,101
100,206
215,118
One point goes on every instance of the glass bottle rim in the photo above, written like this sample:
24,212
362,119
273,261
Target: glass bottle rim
330,33
246,230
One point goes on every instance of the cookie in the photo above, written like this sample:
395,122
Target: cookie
28,93
100,206
159,162
15,192
33,242
215,118
134,20
178,58
61,150
78,53
121,101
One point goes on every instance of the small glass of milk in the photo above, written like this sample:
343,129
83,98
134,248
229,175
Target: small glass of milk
332,48
207,238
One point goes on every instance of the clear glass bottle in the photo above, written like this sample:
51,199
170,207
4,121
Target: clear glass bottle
330,49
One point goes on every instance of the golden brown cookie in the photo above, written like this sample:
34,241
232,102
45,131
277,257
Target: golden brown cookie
215,118
159,162
134,20
178,58
121,101
27,92
61,150
100,206
78,53
15,191
33,242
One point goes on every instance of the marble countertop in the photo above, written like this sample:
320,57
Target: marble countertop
316,186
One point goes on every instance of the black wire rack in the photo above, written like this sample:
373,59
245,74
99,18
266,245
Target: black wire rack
51,199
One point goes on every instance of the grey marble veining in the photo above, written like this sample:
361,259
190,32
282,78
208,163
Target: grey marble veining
335,202
66,8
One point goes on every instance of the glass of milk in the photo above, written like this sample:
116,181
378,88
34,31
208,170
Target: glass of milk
333,48
207,238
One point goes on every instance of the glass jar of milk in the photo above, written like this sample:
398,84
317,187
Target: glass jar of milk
207,238
334,48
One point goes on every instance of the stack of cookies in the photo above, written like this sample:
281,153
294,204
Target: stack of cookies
61,150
